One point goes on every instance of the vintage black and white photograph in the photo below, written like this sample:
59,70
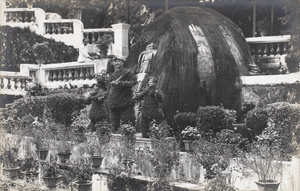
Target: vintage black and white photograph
150,95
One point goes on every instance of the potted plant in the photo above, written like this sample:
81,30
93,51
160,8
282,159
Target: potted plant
51,175
29,168
83,173
118,179
127,143
64,151
265,160
98,142
103,44
189,134
41,137
11,161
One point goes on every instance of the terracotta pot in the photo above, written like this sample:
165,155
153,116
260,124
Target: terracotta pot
269,185
42,153
97,161
64,157
30,176
51,182
84,186
11,172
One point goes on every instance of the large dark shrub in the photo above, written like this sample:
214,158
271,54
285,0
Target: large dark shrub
215,118
284,119
16,48
184,119
256,122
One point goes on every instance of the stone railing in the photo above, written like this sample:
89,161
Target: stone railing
269,45
13,83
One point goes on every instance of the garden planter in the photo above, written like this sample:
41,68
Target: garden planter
84,186
270,185
97,161
187,145
42,153
128,163
11,172
64,157
30,176
51,182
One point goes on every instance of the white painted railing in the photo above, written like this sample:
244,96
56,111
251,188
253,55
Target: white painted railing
13,83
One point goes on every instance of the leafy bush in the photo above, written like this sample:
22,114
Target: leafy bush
215,118
256,121
17,46
184,119
285,118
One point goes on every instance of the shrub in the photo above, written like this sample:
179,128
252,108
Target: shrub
256,122
184,119
285,118
215,118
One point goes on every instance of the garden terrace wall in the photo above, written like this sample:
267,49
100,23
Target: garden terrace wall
188,170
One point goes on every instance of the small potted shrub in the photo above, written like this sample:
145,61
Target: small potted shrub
265,158
51,175
98,142
103,44
64,151
189,134
128,141
83,172
11,161
41,137
30,167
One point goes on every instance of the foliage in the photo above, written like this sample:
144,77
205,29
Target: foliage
17,48
184,119
80,120
97,144
215,118
104,41
9,156
214,153
42,53
284,119
256,121
118,180
82,170
265,159
190,133
50,170
159,185
128,139
164,154
30,164
220,183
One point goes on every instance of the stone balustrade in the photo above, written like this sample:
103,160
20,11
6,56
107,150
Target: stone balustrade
20,16
269,45
13,83
59,28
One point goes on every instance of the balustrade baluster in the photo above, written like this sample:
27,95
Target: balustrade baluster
76,75
52,31
65,73
32,19
50,77
93,37
2,83
26,19
55,75
47,28
91,73
59,77
272,50
18,18
87,73
260,50
21,84
16,83
71,28
14,15
265,49
8,83
70,76
99,39
82,74
277,51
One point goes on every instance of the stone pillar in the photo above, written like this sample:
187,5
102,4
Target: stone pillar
121,39
296,171
2,15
